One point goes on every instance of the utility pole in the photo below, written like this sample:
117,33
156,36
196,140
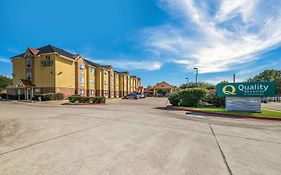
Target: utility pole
196,76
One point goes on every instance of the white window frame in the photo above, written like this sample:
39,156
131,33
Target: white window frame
82,81
82,92
92,92
82,67
105,72
28,62
105,82
92,82
27,75
92,70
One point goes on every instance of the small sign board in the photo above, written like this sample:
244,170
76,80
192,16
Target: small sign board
246,89
47,63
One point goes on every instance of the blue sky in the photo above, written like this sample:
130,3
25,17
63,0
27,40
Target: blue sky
157,40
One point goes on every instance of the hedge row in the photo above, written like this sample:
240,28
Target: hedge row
49,96
196,97
81,99
214,100
188,97
12,97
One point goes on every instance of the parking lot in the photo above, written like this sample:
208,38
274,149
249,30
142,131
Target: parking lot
132,137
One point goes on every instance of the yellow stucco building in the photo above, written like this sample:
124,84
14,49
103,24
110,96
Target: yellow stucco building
51,70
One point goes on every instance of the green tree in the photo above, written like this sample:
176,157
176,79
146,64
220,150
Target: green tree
5,82
269,75
197,85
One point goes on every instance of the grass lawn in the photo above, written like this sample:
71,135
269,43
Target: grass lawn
265,112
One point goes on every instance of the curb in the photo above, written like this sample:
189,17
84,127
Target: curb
84,104
225,115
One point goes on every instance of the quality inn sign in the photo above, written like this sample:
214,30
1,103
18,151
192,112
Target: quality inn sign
247,89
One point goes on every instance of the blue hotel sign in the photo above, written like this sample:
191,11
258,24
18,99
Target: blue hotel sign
247,89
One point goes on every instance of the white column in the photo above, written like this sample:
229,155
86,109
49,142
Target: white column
26,97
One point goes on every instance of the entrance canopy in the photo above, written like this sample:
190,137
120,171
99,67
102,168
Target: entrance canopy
24,84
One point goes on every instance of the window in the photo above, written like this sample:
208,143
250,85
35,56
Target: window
92,70
92,82
28,75
81,92
28,62
82,80
105,82
105,72
92,92
81,67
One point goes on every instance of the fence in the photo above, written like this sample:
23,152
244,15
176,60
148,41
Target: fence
276,99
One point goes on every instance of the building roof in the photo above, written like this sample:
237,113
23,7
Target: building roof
92,63
33,51
26,83
107,66
127,73
163,85
49,49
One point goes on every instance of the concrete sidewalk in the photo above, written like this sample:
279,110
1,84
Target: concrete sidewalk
271,105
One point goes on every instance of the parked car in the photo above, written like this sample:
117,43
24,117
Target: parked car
141,95
132,96
264,100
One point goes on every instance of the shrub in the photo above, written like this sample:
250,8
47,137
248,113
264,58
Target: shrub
174,99
3,95
101,100
15,97
83,100
191,97
73,98
213,99
49,96
36,97
93,99
80,99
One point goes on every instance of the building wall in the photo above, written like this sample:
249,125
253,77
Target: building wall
91,78
99,81
128,84
106,83
111,83
40,71
18,70
81,72
65,73
116,85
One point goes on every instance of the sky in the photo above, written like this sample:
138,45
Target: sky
156,40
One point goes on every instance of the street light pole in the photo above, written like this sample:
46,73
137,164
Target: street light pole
196,76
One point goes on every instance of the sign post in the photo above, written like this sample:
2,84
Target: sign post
245,96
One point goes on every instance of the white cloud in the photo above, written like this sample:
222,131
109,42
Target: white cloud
236,33
131,65
5,60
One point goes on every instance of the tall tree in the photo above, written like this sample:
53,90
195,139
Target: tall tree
269,75
199,84
5,82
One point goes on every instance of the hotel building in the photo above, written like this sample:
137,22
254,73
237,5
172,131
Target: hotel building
52,70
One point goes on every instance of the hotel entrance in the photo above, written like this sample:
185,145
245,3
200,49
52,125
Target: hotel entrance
24,90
